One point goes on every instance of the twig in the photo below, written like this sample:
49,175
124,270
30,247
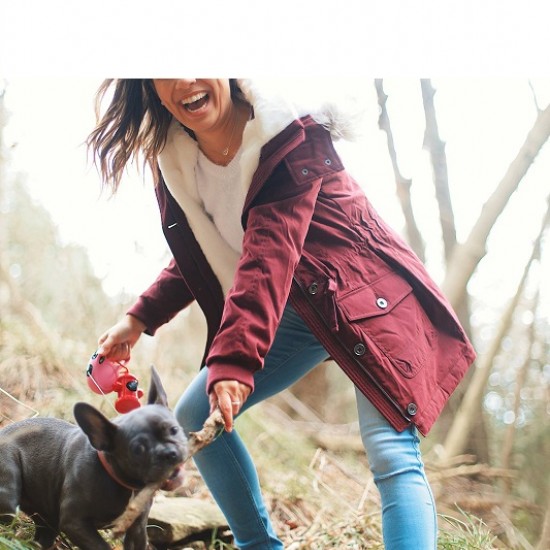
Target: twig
471,470
366,492
300,408
513,535
537,106
438,464
196,441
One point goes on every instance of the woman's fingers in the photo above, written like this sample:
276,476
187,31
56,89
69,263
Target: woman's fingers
116,351
229,396
226,407
117,342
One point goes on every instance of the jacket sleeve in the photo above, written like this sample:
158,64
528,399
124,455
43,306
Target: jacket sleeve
167,296
274,236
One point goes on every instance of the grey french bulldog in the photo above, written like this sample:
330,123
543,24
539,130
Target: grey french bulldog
78,479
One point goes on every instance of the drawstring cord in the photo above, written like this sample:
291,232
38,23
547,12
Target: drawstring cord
331,291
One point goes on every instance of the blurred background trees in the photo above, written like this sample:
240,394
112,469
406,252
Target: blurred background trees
53,307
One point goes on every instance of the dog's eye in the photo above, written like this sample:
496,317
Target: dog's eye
139,448
174,430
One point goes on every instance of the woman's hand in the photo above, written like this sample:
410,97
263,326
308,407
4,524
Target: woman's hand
117,342
229,396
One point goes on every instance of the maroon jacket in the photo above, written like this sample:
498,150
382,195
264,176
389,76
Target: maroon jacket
312,236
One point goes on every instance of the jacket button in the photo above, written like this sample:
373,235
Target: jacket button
412,409
313,288
305,171
359,349
382,303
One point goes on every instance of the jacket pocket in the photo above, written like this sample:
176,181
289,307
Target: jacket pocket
392,323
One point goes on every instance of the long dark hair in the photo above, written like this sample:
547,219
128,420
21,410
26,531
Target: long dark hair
133,127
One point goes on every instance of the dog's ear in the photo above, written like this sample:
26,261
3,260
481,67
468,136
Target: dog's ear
157,395
100,431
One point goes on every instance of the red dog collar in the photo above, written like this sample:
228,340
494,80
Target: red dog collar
111,472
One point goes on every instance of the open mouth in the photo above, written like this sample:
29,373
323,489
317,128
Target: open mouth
195,102
175,479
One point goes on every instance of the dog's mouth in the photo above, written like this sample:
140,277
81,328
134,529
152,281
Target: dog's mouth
175,479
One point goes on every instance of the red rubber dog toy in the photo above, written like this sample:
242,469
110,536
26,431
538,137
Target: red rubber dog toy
105,376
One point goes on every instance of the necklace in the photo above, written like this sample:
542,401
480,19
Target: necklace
225,152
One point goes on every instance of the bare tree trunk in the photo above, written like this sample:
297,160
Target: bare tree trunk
436,148
478,441
461,427
403,185
467,256
511,430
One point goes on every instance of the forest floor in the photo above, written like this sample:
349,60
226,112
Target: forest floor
321,494
316,480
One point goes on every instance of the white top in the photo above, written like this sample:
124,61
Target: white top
222,196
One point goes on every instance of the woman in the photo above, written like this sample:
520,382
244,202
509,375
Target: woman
290,265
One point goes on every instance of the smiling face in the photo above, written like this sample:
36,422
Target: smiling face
202,105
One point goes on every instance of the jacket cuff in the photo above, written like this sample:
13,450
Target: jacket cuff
148,316
217,373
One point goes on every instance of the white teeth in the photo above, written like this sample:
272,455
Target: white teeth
193,98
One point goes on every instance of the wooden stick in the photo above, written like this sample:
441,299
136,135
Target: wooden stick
134,509
210,430
196,441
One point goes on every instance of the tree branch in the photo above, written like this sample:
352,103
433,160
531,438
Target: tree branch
436,148
467,256
403,185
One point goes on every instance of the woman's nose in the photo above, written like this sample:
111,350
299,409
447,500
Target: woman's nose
184,83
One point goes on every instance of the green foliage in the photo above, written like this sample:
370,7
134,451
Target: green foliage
7,544
469,534
17,535
218,542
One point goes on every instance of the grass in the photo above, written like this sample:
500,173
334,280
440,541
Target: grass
470,533
17,535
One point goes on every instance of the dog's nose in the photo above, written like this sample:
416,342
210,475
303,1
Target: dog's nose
171,456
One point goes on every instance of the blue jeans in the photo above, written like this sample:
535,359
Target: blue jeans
408,509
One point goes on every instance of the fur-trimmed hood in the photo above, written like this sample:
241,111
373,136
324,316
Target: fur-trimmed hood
274,110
